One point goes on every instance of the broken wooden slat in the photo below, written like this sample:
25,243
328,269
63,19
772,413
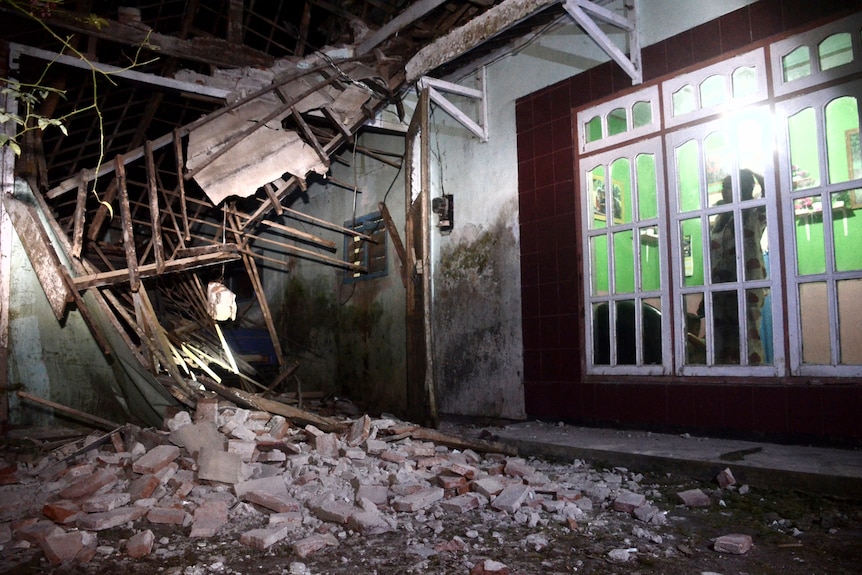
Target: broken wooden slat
126,220
80,213
259,292
396,241
427,434
79,414
102,213
42,256
300,235
149,270
155,214
178,153
309,136
303,31
270,193
281,377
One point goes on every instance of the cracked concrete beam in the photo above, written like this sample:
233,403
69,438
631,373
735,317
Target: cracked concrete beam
472,34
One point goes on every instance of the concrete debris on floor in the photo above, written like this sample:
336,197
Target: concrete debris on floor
262,480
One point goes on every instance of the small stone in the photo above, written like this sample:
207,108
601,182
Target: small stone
140,544
621,555
736,543
489,567
694,498
725,478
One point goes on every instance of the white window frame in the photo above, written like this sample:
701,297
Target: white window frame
649,94
725,69
818,100
650,146
699,133
812,38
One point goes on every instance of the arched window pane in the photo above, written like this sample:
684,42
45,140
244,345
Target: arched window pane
598,197
684,100
842,139
796,64
712,91
744,81
593,129
804,156
641,114
834,51
688,176
646,186
617,123
620,191
718,161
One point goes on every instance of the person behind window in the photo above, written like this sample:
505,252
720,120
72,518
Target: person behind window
722,248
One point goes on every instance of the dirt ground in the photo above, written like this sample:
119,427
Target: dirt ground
792,533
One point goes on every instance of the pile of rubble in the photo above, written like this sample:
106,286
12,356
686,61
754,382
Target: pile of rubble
261,480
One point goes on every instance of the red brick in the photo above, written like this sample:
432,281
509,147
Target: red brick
156,459
61,512
140,544
66,546
88,484
166,515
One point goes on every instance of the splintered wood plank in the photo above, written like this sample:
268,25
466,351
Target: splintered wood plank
155,214
80,212
102,212
270,193
126,220
303,31
149,270
309,136
300,235
42,256
178,153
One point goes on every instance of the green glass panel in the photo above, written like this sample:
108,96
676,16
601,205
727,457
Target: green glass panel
601,331
598,197
804,156
847,230
646,186
688,176
796,64
712,91
624,262
842,139
641,114
599,260
816,344
810,246
718,158
695,334
744,81
836,50
621,190
650,259
593,130
850,321
725,327
684,100
754,243
722,247
691,246
617,123
758,326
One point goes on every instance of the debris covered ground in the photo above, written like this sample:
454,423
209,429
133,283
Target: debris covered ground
229,490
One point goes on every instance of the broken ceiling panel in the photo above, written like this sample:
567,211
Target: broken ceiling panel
257,159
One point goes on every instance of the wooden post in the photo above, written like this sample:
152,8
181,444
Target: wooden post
155,215
80,214
128,233
178,153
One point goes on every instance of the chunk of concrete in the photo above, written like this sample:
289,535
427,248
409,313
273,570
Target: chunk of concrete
221,466
736,543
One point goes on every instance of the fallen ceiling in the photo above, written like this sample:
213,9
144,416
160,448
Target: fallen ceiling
191,128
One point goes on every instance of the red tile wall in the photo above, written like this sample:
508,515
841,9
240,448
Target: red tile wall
554,383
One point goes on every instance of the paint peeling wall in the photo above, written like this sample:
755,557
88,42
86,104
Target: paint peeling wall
348,337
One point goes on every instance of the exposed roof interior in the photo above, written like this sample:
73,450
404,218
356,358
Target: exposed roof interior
147,123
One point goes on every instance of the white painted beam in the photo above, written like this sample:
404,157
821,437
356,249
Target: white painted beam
632,66
152,79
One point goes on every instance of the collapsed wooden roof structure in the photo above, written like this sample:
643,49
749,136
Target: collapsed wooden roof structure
191,127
